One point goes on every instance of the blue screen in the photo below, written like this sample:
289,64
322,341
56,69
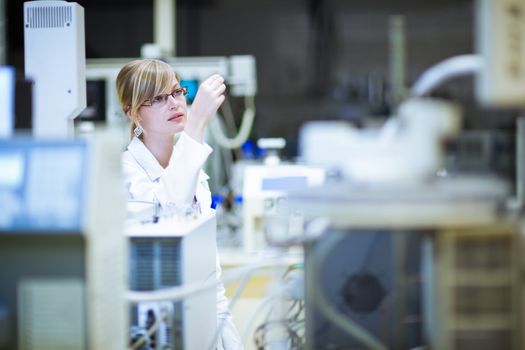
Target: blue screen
193,86
286,183
42,185
7,101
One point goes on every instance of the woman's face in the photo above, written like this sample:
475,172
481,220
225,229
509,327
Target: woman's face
164,114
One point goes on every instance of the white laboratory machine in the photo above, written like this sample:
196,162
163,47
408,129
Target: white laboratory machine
55,59
264,197
174,252
430,264
62,252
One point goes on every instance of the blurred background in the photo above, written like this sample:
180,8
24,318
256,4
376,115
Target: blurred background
315,59
395,222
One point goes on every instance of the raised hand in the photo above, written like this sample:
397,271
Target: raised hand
209,98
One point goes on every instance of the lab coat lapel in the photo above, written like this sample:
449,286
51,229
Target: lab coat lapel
145,159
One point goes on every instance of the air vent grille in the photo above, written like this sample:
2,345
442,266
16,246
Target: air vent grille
170,264
155,263
143,264
49,17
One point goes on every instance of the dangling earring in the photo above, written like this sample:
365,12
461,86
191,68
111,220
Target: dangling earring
138,130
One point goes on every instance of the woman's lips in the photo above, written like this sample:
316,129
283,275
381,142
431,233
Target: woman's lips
176,117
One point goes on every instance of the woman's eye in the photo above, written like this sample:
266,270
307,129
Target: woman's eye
157,99
177,92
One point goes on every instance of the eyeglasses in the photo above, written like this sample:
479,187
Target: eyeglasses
161,100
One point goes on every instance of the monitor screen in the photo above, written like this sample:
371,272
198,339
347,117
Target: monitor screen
95,110
193,86
24,105
7,96
42,185
284,183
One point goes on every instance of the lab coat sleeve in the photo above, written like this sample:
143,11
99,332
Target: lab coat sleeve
178,181
229,338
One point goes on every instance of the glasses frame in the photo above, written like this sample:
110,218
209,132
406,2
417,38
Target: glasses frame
162,99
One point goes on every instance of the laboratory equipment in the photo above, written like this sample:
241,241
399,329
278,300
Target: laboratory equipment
447,245
95,110
62,251
264,196
500,42
3,42
458,285
238,71
55,59
407,147
174,252
271,147
7,101
364,277
23,106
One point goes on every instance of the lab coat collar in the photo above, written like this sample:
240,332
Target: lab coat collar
145,159
203,176
149,163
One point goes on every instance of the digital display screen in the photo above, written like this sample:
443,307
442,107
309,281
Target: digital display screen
42,185
286,183
12,165
7,101
193,86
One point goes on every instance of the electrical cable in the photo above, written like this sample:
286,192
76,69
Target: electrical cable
277,293
179,293
266,325
315,227
236,297
145,336
231,304
262,304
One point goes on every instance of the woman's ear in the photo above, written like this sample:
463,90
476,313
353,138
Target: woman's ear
127,111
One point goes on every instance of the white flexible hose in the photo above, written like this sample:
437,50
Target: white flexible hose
266,259
244,130
443,71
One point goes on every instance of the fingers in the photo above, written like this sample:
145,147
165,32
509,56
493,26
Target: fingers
209,98
214,83
214,80
220,100
221,89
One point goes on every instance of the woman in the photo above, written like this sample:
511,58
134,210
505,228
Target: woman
157,170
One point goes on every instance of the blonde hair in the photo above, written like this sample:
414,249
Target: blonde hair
141,80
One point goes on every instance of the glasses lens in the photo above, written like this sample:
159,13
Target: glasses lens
178,92
158,101
161,100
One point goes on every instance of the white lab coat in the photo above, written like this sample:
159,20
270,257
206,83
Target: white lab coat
146,180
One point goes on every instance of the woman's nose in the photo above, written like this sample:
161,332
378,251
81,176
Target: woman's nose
172,102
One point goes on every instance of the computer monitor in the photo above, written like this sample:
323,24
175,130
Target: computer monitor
7,93
24,105
44,184
62,256
193,86
95,110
